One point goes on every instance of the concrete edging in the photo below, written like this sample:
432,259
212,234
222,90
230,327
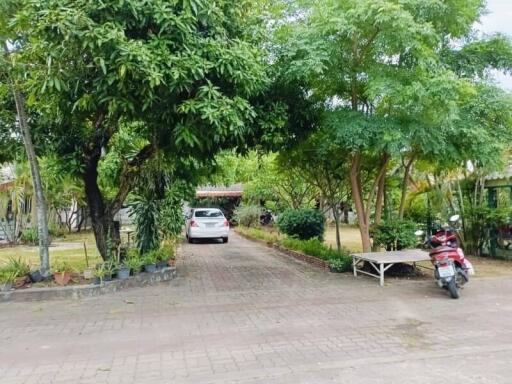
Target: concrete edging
91,290
314,261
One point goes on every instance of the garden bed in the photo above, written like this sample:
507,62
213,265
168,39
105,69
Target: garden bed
312,260
87,290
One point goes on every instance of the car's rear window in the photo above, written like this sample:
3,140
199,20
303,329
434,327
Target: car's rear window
208,213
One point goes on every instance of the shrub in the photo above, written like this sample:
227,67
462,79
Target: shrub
18,267
395,234
303,224
145,213
30,236
151,257
248,215
341,264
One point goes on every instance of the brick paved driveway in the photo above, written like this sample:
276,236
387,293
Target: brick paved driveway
241,313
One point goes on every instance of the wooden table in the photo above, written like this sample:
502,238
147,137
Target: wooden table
382,261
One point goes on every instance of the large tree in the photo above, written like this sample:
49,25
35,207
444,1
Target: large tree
180,74
389,74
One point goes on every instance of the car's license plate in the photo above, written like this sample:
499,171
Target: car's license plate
446,270
209,225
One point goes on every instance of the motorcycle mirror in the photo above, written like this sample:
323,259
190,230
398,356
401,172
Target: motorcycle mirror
419,232
454,218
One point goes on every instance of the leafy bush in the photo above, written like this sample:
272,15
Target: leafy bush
145,210
171,218
303,224
341,264
248,215
133,260
395,234
30,236
151,257
17,267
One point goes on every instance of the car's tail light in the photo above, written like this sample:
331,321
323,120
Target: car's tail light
193,224
226,223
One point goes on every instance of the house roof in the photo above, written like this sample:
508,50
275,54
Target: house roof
234,190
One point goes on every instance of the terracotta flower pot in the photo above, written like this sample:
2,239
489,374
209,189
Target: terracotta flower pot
171,262
62,278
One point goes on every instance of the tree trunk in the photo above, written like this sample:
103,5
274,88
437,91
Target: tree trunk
42,219
407,172
380,199
357,196
101,219
102,215
336,215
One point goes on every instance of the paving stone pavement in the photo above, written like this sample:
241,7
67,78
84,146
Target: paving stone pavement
243,313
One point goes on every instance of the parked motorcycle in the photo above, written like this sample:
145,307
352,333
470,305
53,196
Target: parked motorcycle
451,268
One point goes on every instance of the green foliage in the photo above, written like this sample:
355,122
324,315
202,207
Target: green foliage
145,212
7,276
30,236
303,224
261,234
248,215
151,257
62,267
17,266
133,260
313,247
170,217
395,234
341,264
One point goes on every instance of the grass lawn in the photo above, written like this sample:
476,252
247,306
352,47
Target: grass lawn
69,248
350,237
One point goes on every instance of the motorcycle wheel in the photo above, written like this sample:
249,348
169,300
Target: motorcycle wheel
452,288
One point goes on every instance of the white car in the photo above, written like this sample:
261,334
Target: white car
207,223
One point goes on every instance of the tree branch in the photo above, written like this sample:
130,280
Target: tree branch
128,177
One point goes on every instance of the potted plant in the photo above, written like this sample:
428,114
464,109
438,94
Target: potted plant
123,272
7,278
161,258
149,261
21,269
99,274
110,269
133,262
62,273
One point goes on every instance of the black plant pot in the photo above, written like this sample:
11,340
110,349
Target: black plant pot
150,268
161,264
107,278
96,281
123,273
36,276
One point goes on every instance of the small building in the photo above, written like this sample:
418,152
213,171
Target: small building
227,198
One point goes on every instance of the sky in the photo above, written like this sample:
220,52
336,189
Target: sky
498,19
